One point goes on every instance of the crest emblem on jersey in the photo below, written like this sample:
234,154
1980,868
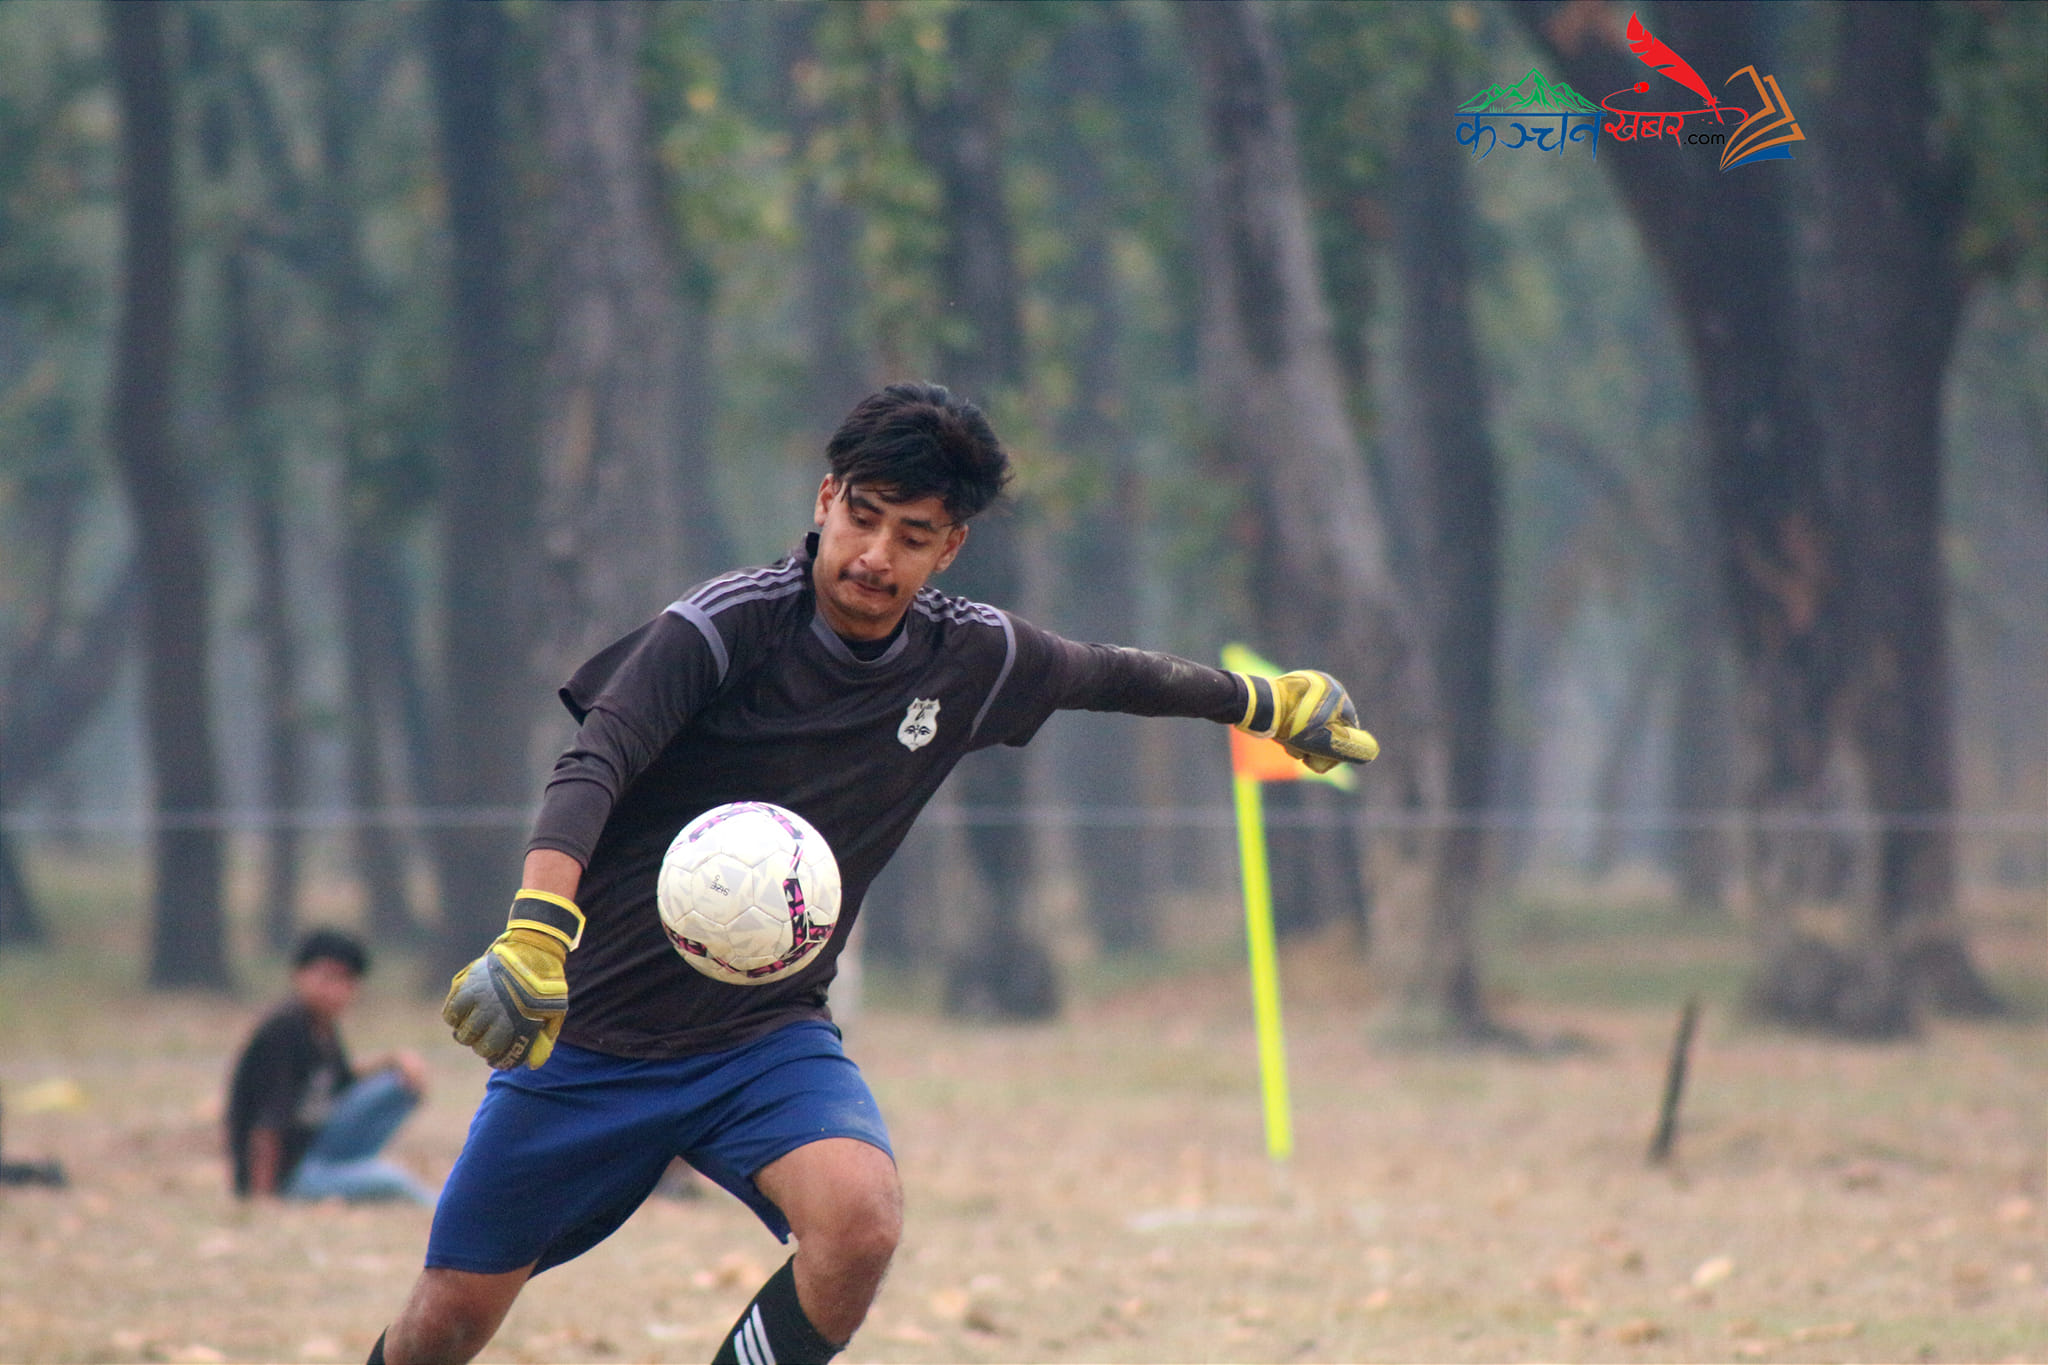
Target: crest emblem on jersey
920,723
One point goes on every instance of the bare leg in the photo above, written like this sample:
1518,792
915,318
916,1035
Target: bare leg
451,1315
844,1202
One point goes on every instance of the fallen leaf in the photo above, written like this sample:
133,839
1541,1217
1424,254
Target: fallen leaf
1712,1271
58,1095
1638,1331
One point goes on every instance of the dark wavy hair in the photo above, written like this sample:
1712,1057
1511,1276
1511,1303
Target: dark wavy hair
912,441
333,945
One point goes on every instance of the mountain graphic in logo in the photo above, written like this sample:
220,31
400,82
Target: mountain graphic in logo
1530,92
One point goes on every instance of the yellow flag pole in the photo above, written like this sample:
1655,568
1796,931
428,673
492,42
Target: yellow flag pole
1265,967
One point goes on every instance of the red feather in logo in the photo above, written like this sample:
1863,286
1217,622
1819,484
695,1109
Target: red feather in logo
1659,57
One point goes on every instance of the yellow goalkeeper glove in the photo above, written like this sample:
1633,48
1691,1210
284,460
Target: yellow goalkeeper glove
509,1004
1312,717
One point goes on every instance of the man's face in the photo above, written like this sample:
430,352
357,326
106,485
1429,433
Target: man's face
874,554
326,987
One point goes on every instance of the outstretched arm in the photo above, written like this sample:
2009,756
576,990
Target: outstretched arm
1309,713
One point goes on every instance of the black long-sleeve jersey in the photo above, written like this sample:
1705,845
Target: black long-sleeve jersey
740,691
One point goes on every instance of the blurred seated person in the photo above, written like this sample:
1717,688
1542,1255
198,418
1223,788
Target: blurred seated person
302,1122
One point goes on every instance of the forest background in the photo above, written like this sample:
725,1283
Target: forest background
364,367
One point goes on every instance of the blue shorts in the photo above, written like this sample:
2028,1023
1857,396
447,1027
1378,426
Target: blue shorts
557,1159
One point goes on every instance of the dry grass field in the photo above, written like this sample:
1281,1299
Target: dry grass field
1096,1189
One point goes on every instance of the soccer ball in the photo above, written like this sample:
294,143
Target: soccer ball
748,891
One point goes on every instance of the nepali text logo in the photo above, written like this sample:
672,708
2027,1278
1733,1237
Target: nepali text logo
1528,108
920,723
1764,135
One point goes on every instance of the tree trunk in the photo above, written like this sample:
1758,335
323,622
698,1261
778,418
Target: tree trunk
1002,967
1457,538
1724,242
188,940
1098,755
1829,528
243,386
372,642
1889,298
612,509
1273,387
56,686
489,488
839,358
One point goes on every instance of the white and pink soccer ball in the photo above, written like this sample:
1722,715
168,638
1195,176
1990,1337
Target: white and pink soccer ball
748,891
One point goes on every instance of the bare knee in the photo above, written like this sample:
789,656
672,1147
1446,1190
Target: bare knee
451,1316
859,1233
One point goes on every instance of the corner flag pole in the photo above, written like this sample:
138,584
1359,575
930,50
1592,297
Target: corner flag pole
1265,967
1252,763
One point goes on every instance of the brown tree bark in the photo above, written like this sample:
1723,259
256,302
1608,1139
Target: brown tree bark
188,923
281,721
376,642
1724,243
1889,297
1456,533
56,684
1273,386
612,440
489,488
1827,528
1003,968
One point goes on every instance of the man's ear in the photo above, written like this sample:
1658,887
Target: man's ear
956,536
827,490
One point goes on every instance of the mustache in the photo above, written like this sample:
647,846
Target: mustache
872,581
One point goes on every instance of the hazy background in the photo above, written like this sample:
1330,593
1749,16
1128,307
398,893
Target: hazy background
1683,534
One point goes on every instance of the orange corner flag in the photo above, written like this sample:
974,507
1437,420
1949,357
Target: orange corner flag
1263,760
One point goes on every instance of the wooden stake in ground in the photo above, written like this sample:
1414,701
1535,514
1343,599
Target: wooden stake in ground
1674,1084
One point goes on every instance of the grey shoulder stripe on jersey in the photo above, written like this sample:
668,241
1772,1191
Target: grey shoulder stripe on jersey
697,617
731,590
718,593
934,605
1002,674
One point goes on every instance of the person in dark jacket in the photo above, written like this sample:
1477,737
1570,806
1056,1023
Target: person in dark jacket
303,1121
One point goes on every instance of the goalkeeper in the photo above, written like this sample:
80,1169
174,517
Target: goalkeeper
836,682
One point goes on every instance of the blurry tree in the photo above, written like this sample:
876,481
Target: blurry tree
188,938
381,477
957,124
66,618
1091,68
1456,533
1326,585
247,387
828,227
1824,525
489,487
1888,295
612,440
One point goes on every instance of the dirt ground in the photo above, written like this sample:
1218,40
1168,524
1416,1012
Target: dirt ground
1096,1189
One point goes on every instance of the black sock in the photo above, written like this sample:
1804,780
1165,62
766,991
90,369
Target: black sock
377,1351
773,1330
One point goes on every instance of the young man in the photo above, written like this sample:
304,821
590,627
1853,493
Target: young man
302,1122
793,684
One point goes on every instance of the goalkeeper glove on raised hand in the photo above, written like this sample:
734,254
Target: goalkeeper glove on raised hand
508,1005
1311,716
